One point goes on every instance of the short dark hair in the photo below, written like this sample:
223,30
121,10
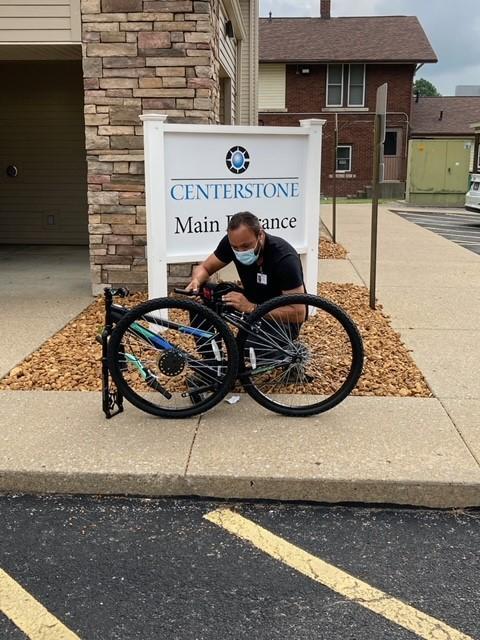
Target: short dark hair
247,219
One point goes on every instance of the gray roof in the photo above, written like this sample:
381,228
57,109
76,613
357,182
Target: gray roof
459,113
370,39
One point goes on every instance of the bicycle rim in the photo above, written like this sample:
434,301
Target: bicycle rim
172,358
300,367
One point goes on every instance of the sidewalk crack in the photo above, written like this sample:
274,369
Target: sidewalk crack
357,271
192,445
329,233
477,460
327,230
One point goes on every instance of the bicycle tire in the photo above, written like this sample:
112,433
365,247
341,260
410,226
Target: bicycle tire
117,366
351,379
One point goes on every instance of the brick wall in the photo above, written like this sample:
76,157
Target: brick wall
306,97
139,56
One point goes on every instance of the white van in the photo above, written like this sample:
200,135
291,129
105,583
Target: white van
472,200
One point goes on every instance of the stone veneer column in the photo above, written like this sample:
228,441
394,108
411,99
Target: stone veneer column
139,56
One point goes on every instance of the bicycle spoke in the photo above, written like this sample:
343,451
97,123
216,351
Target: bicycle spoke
308,366
161,370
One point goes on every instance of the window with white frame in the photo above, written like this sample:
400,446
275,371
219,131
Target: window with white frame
356,85
346,85
344,158
335,85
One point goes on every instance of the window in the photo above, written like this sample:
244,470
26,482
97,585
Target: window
346,85
335,85
271,87
390,145
225,111
356,85
344,158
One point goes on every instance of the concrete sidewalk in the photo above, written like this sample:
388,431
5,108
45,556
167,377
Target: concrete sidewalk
42,288
418,451
396,450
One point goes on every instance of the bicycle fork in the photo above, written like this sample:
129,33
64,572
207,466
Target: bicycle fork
112,398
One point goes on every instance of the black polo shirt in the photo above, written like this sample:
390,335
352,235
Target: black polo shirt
277,269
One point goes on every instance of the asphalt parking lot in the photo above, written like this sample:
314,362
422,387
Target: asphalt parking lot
462,227
85,568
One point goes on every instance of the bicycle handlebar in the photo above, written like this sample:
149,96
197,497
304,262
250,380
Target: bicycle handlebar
212,294
187,292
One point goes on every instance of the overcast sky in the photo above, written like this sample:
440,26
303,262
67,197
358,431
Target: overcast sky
452,26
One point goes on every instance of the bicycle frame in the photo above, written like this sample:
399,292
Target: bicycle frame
118,312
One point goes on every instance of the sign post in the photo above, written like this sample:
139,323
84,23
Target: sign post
198,176
378,175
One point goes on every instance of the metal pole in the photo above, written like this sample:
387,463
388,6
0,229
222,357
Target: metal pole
334,203
375,193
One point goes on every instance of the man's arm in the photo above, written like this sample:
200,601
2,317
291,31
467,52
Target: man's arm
203,271
294,313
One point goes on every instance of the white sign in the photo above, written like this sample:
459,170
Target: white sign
198,176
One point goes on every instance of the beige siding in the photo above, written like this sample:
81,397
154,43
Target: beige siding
254,59
271,81
244,97
228,58
39,21
248,71
42,134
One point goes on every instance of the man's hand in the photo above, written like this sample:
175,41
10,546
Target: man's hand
238,301
194,285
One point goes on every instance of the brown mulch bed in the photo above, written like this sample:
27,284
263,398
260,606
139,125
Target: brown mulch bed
389,368
329,250
70,360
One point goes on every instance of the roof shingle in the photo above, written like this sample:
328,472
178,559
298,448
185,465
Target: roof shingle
365,39
458,114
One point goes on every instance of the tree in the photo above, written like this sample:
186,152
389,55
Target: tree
425,88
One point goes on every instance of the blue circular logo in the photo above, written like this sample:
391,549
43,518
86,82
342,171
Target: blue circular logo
237,159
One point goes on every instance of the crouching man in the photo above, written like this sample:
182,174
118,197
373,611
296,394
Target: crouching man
268,266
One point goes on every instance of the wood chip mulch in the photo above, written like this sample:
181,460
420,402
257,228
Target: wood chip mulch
70,360
329,250
389,368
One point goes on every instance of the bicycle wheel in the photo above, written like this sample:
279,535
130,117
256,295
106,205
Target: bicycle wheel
297,366
172,358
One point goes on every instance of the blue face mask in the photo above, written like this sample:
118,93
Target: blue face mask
246,257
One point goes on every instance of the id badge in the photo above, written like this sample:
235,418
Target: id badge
261,278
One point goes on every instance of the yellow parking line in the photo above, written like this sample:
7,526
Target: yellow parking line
28,614
340,581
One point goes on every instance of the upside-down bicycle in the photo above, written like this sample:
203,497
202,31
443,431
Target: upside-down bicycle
297,355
